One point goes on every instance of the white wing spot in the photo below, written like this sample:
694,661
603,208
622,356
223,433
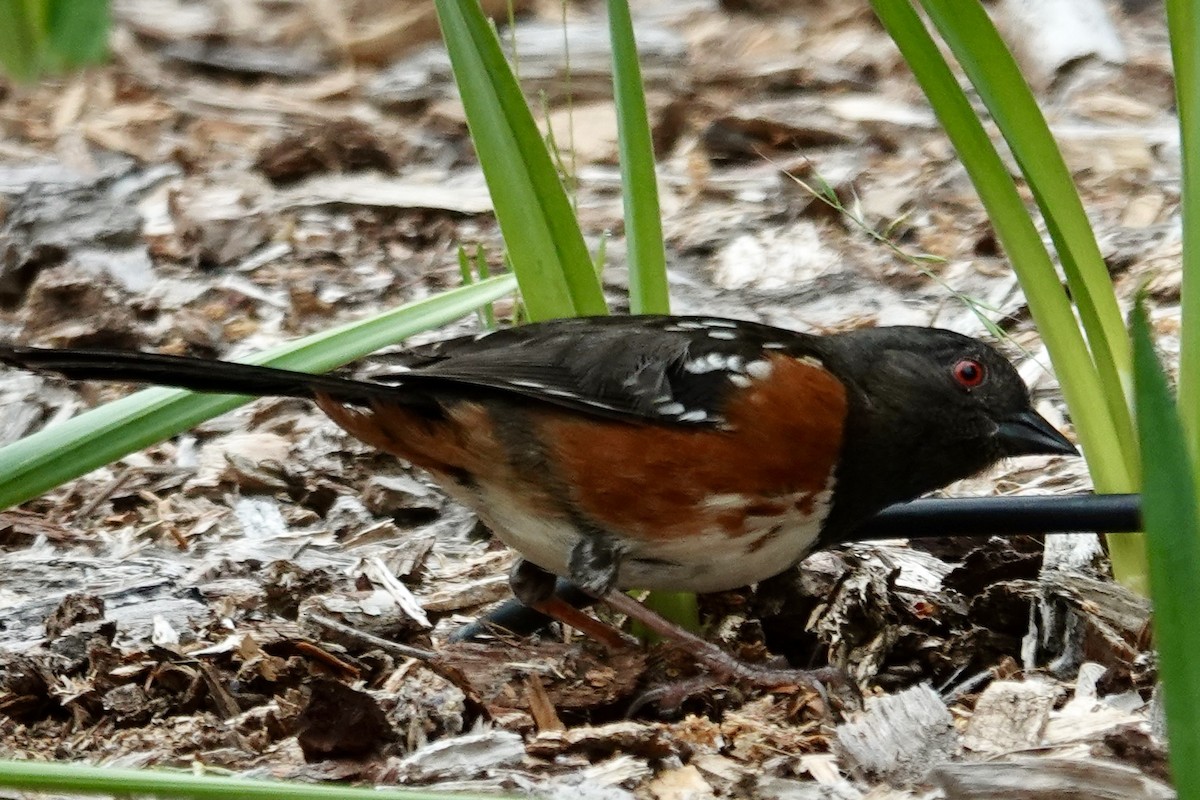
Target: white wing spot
812,362
719,323
684,325
759,370
740,381
695,415
735,363
727,335
671,409
713,362
774,346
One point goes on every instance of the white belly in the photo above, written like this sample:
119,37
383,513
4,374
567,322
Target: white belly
714,562
543,540
708,561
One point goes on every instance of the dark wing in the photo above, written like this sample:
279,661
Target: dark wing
673,370
646,368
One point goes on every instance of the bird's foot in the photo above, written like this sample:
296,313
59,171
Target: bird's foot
534,587
729,668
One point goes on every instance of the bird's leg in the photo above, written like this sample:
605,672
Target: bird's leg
534,587
716,659
595,562
595,565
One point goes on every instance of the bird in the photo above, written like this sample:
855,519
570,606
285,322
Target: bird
682,453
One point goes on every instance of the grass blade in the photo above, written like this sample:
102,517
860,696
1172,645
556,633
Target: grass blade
1113,469
648,291
1173,541
34,776
21,40
51,457
977,46
541,233
77,32
1183,21
645,255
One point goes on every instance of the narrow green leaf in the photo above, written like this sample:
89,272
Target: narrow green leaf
21,40
601,255
983,55
1173,537
488,313
645,255
541,233
49,458
77,32
1183,21
35,776
464,267
648,291
1112,469
682,608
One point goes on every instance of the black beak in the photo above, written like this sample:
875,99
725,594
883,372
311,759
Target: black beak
1029,434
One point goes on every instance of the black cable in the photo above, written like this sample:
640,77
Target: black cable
920,519
997,516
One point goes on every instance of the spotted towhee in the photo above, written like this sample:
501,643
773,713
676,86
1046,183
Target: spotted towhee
658,452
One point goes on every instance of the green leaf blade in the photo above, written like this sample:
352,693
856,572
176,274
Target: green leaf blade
77,32
39,462
543,238
648,290
22,40
1172,528
1183,22
35,776
1047,302
1113,466
990,65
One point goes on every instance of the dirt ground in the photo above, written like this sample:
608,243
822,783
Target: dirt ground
245,173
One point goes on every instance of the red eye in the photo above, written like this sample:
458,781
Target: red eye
969,373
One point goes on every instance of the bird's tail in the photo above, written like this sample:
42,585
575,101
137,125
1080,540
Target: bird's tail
184,372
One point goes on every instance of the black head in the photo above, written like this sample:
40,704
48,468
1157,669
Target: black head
927,407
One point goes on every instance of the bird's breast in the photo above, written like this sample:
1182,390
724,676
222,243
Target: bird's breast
735,541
